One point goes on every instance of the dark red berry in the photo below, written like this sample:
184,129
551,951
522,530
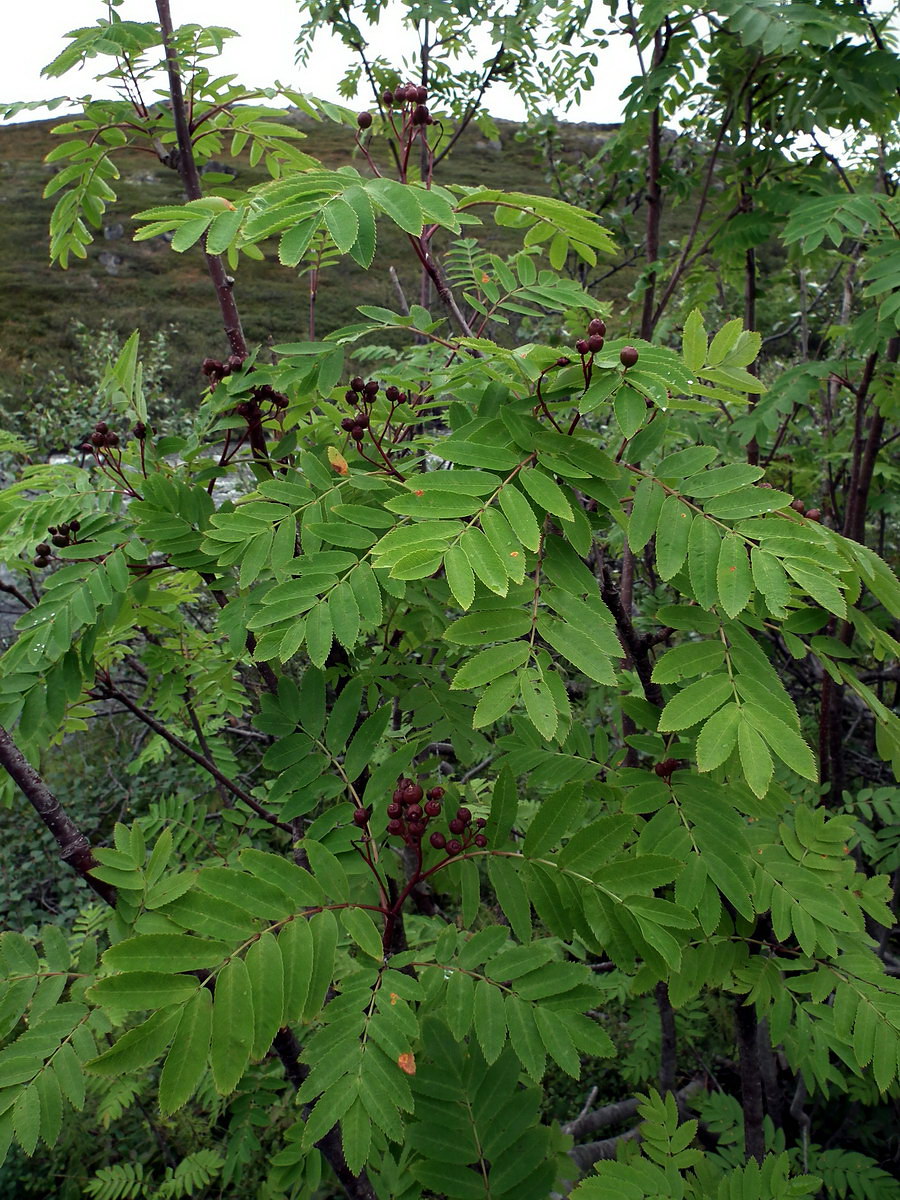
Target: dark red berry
102,427
457,826
480,823
454,846
393,394
664,769
395,827
362,420
357,383
597,326
764,485
211,366
394,811
371,388
360,816
581,346
562,362
628,356
42,548
595,343
420,116
480,840
416,829
813,514
463,814
348,424
421,94
234,362
350,397
364,120
42,561
357,432
436,793
798,506
399,795
59,539
438,840
52,529
414,813
432,808
387,99
413,793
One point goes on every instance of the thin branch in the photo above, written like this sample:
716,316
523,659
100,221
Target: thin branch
74,847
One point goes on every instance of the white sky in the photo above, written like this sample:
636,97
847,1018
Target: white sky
34,35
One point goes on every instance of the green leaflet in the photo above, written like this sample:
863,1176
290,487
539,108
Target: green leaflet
232,1026
756,760
486,666
733,575
484,560
521,517
645,508
704,546
717,738
672,532
545,492
187,1059
695,702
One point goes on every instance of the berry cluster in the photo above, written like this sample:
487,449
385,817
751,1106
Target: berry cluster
593,343
412,808
216,371
60,535
667,767
408,96
362,395
103,438
811,514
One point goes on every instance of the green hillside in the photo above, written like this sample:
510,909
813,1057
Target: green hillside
146,285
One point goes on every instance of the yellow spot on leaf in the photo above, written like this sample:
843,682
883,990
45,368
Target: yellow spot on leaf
407,1063
337,460
394,998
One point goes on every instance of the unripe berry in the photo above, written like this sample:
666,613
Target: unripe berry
628,356
457,826
454,846
433,808
597,326
438,840
360,816
364,120
480,840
